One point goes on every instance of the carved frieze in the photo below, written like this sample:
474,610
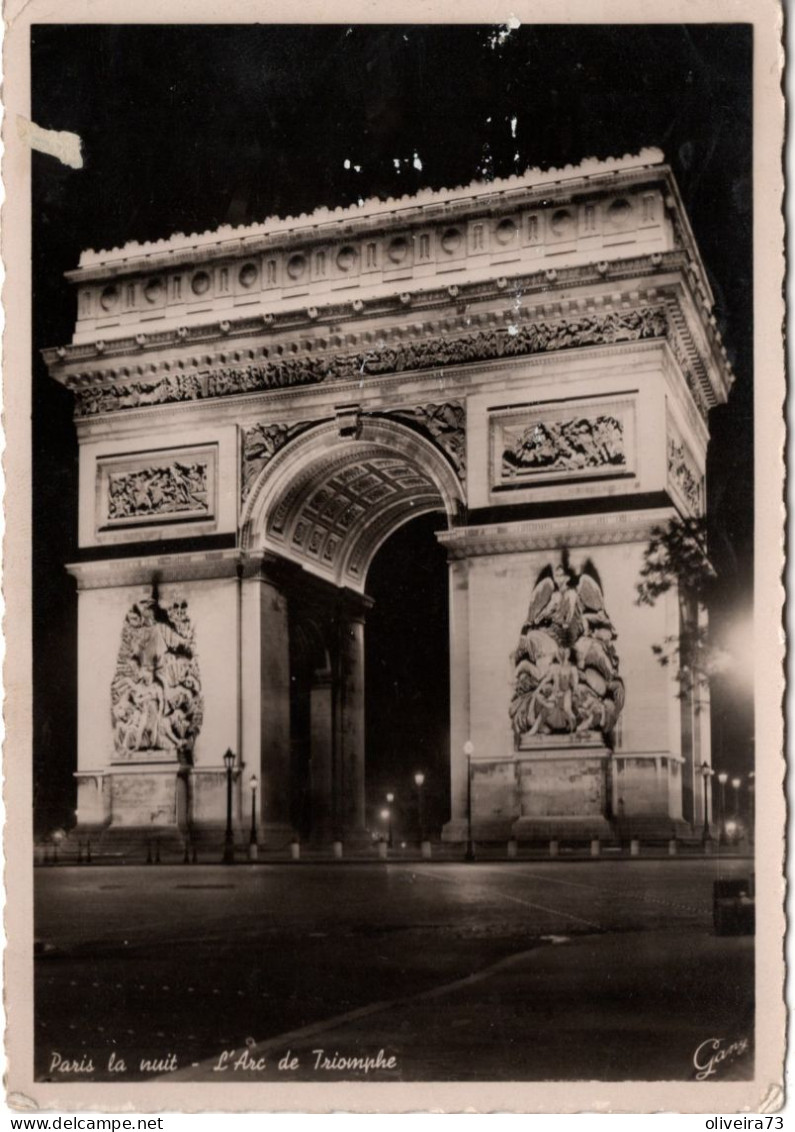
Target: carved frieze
445,424
682,470
548,442
156,699
540,336
167,486
173,489
567,445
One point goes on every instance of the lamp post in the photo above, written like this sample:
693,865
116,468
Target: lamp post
419,779
723,778
229,840
736,788
706,772
252,840
386,816
390,799
751,806
469,750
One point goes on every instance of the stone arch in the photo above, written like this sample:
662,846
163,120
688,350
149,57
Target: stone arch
332,495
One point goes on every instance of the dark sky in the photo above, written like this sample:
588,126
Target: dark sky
185,128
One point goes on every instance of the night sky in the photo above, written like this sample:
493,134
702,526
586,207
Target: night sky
186,128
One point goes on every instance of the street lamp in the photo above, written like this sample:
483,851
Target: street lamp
736,788
229,840
419,779
469,750
706,772
723,778
387,817
390,799
252,840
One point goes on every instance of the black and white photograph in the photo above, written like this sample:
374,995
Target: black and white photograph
393,585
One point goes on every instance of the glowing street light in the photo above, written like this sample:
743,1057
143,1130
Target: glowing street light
706,773
386,815
469,750
390,799
252,840
419,779
229,839
736,787
723,778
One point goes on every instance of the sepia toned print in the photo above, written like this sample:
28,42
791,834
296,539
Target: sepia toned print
395,506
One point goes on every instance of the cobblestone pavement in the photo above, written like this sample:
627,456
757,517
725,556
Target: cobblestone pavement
498,970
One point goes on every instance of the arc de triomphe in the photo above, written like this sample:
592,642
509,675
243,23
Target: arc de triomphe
534,359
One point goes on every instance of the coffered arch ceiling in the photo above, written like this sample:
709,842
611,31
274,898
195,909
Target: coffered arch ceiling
329,501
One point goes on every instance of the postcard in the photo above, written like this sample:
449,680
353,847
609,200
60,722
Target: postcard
394,535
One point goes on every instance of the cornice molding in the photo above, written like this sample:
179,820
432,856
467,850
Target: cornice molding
516,340
551,534
133,351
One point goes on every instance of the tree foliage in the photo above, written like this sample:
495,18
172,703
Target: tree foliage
676,556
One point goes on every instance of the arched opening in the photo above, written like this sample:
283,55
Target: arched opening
347,524
407,685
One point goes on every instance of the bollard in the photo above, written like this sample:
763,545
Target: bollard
634,847
672,847
337,849
295,850
80,852
253,851
554,848
425,850
595,847
88,852
157,851
512,848
382,847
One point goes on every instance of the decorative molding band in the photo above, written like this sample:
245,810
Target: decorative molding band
419,302
591,530
162,568
614,327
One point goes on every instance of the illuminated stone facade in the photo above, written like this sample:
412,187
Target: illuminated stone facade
532,358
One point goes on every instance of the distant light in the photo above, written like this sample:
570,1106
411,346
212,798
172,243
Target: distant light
736,783
731,826
385,815
419,778
723,778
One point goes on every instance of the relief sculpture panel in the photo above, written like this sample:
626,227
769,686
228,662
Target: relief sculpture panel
167,490
551,441
682,470
567,445
175,485
566,677
156,700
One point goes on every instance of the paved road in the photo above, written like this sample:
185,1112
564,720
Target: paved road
520,970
